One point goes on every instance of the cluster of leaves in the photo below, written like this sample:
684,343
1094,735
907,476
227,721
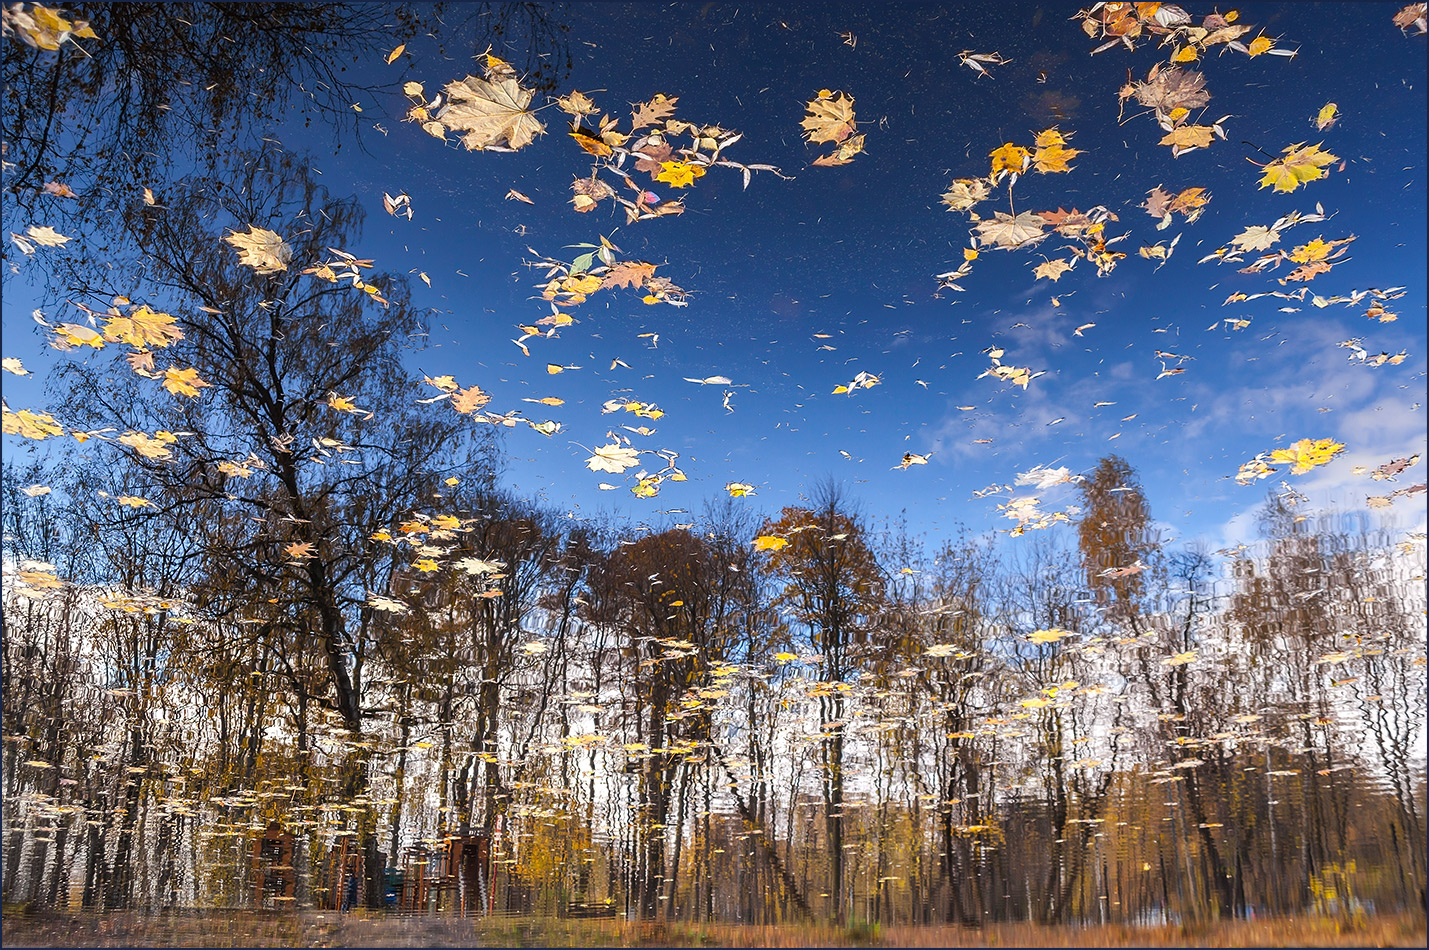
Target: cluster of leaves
1303,456
1171,94
651,145
1018,376
570,284
43,27
1188,40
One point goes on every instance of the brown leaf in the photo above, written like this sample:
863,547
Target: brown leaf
469,400
652,156
1173,88
628,274
1158,202
1307,271
656,110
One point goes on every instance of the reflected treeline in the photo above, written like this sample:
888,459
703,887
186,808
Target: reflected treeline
681,724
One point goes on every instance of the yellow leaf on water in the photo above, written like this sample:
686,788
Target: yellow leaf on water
1307,454
183,382
30,425
263,250
679,174
1261,44
1300,164
1009,158
829,118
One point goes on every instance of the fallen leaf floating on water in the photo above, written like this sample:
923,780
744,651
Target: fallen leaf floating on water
485,115
263,250
614,458
829,119
1299,165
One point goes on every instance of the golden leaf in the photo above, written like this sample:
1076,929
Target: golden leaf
679,174
183,382
963,193
1009,158
1261,44
143,327
1300,164
489,114
1188,136
1307,454
263,250
1054,158
1052,270
29,425
469,400
577,104
829,118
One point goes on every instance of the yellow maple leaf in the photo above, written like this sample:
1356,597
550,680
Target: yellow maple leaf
489,114
1050,635
829,118
1307,454
1301,163
679,174
1186,54
769,542
1048,138
963,193
29,425
1188,137
183,382
1009,158
585,284
1180,659
263,250
1052,270
1328,115
426,565
155,447
143,327
1054,158
738,489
